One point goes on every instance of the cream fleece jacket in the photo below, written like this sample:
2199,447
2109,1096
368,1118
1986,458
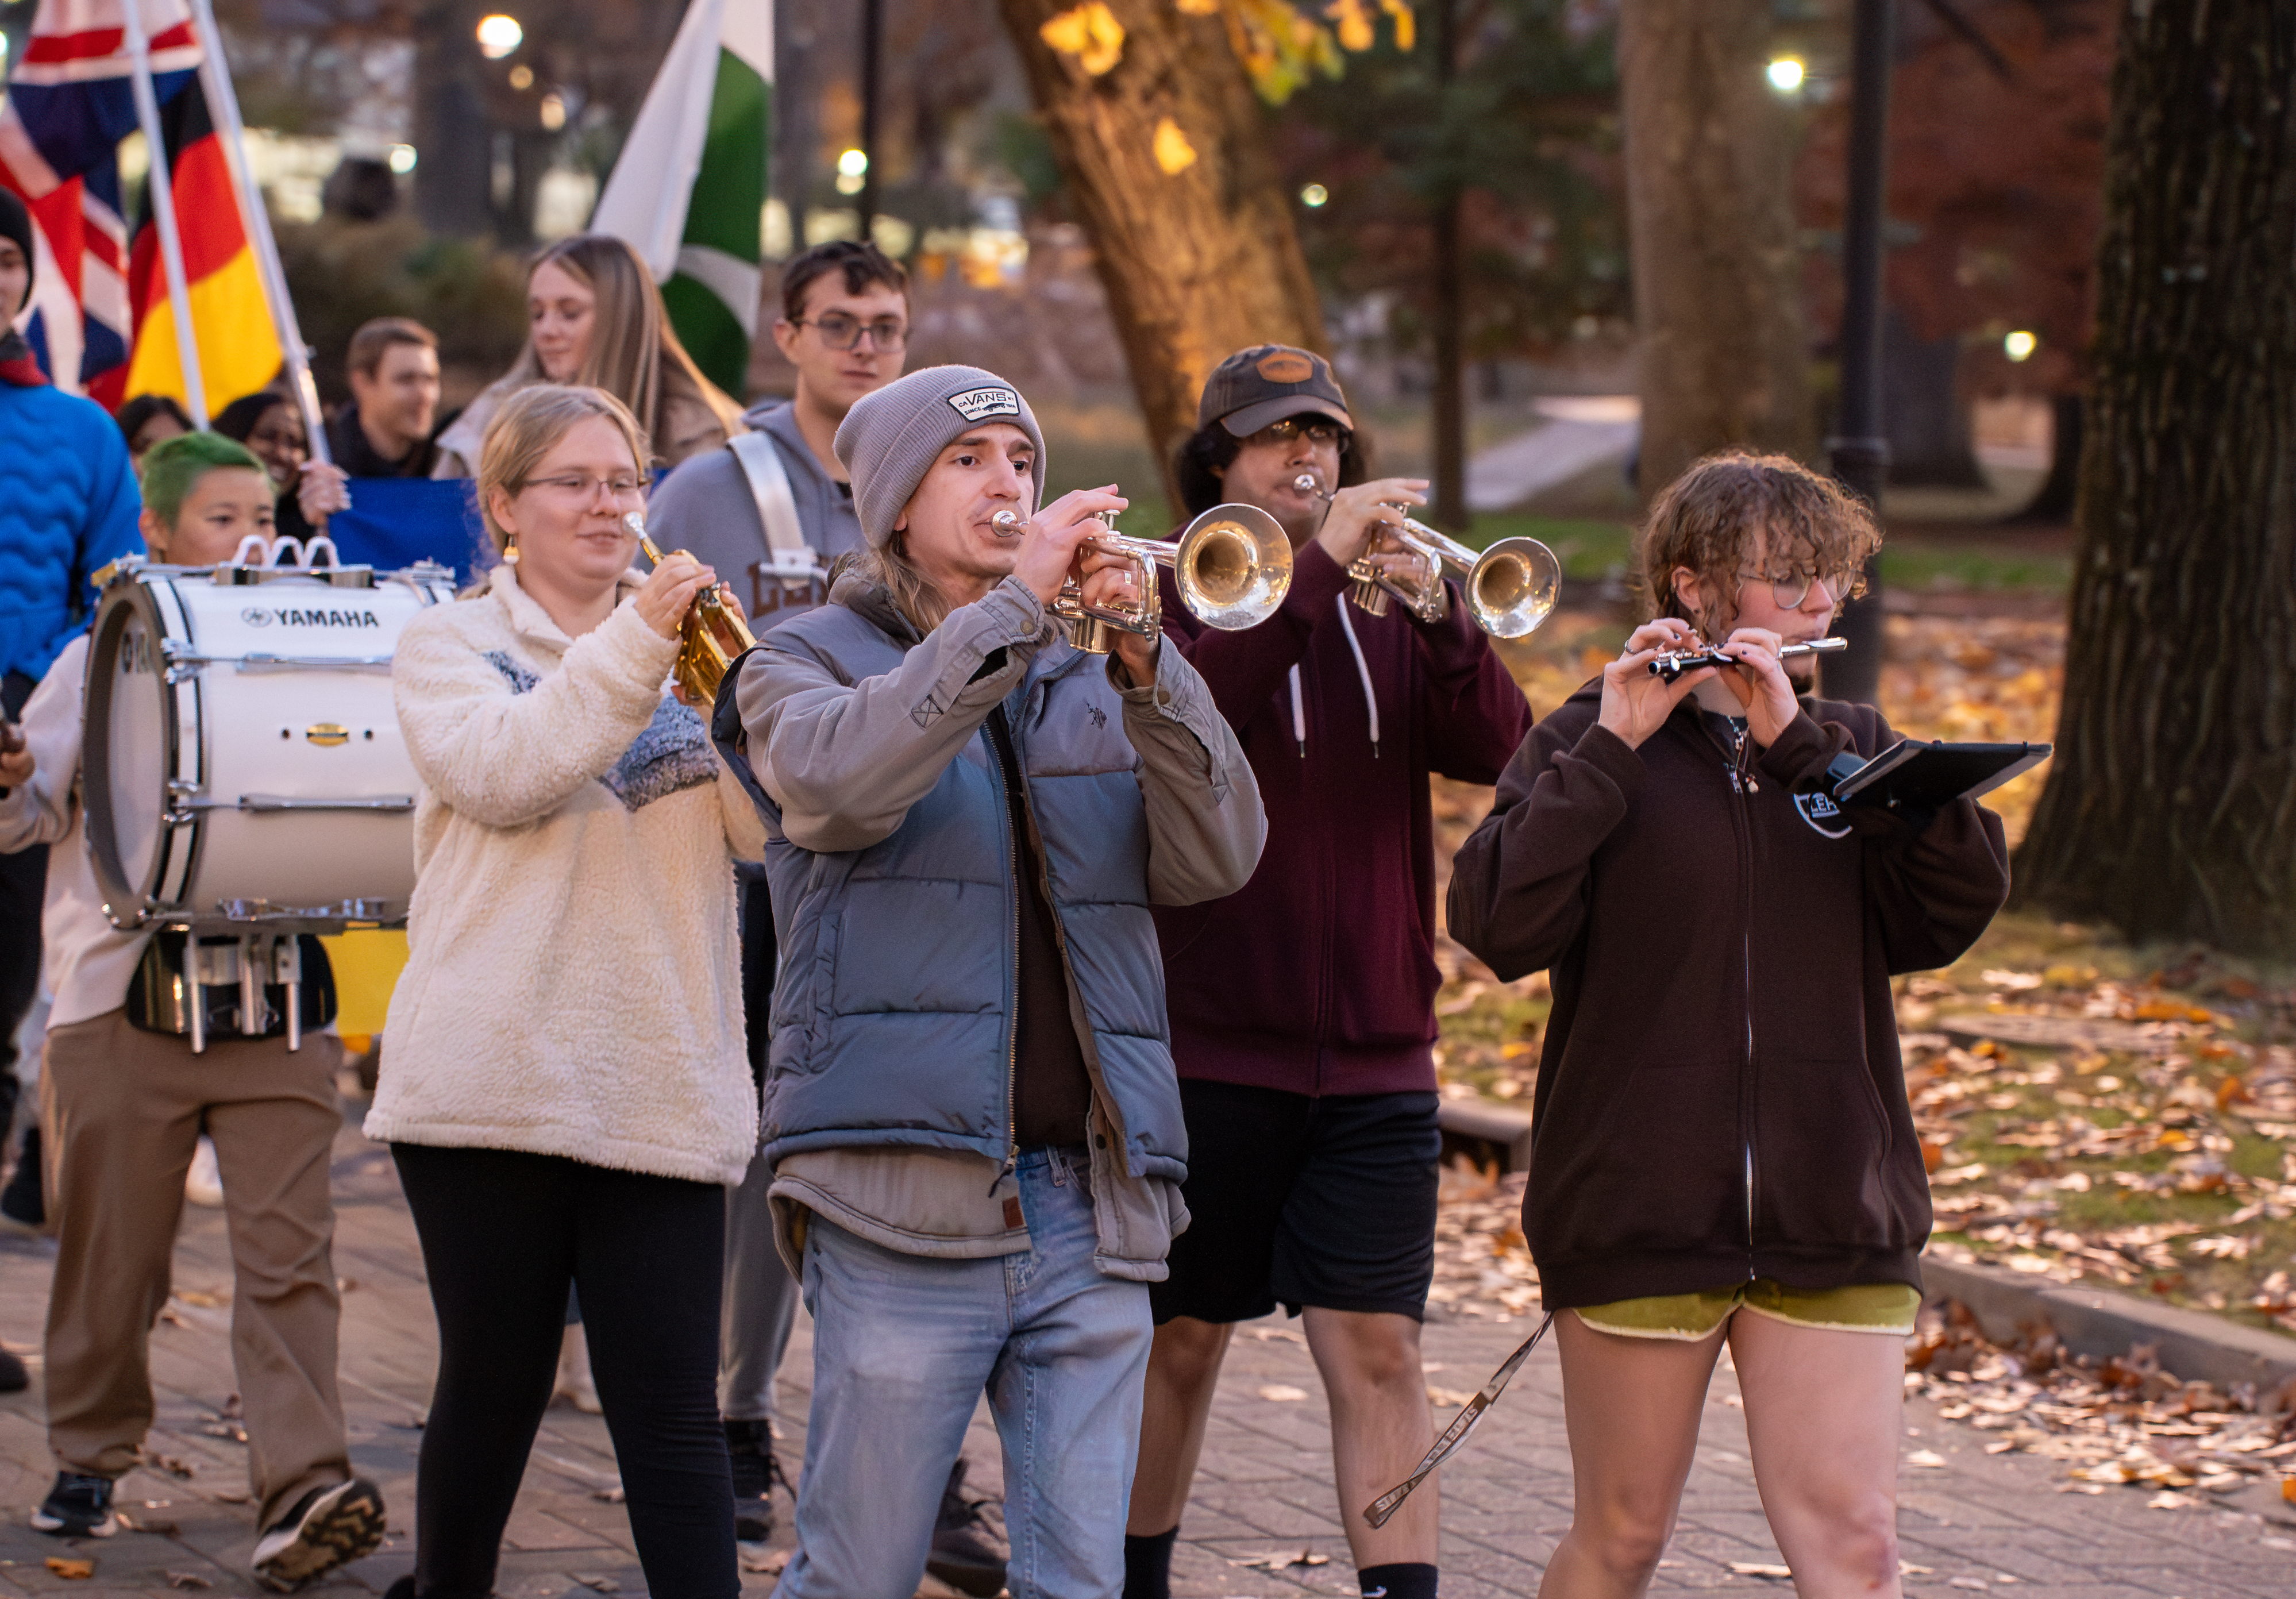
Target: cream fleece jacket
574,985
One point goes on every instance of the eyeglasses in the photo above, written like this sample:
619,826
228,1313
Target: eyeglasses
837,331
1320,431
581,486
1789,592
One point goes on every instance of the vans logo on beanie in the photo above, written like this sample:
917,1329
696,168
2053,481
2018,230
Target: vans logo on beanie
978,404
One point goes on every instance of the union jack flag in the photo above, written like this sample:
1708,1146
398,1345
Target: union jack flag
70,102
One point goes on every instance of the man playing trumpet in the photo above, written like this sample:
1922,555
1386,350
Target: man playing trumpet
970,1108
1302,1008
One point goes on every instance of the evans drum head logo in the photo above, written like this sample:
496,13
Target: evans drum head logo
1823,814
978,404
290,616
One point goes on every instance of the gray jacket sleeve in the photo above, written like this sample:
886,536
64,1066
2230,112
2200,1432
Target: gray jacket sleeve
1205,822
845,761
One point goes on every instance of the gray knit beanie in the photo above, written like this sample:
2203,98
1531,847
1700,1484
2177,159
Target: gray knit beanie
891,437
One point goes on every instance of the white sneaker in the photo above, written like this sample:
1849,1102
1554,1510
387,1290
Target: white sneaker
575,1385
204,1182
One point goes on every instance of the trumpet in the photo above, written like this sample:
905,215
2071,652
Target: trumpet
1670,664
711,638
1512,586
1233,565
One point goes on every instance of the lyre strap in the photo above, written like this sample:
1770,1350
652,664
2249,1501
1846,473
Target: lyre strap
769,486
1380,1509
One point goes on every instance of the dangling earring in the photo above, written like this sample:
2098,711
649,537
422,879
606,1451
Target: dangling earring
510,549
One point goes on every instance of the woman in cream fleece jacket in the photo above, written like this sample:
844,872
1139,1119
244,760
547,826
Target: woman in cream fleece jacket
565,1088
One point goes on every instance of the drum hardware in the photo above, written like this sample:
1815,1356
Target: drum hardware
250,963
271,564
327,734
1670,664
1233,565
711,638
264,804
1512,586
186,661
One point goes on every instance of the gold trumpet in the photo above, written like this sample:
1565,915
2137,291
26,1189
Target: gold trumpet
1233,565
711,638
1512,586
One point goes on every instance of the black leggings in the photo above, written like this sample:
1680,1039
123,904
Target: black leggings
504,1234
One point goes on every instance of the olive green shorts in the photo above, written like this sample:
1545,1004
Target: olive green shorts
1863,1307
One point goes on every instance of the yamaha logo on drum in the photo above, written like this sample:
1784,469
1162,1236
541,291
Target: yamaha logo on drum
262,616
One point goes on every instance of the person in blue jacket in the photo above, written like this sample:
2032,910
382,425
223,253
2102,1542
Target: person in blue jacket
67,507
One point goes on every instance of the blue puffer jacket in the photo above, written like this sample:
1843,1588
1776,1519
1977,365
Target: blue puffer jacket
68,506
890,857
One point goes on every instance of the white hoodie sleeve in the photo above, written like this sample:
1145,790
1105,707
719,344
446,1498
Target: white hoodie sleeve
42,810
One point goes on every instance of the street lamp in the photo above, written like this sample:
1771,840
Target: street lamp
1785,74
1314,196
852,171
2020,345
498,36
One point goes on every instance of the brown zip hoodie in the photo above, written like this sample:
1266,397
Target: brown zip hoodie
1721,1095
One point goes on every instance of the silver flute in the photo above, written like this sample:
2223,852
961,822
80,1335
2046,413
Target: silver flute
1670,664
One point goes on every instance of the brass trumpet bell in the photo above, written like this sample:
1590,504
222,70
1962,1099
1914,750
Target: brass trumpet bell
1233,565
1512,588
710,640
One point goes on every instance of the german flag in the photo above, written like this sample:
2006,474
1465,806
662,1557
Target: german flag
239,351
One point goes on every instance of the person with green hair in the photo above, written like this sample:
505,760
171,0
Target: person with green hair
125,1101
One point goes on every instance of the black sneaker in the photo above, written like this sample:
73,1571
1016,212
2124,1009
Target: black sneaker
967,1552
79,1505
14,1379
329,1527
749,1450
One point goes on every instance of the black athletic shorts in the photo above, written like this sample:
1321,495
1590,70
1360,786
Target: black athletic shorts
1327,1202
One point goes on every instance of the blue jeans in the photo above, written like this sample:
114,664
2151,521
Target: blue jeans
903,1346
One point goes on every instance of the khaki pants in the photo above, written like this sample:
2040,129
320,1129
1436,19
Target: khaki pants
124,1109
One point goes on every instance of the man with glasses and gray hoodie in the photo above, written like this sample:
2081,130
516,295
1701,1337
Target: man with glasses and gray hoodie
970,1108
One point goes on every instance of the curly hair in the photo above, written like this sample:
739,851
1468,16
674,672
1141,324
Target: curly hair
1208,452
1730,507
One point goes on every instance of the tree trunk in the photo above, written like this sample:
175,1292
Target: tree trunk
454,176
1718,320
1447,499
2170,809
1198,262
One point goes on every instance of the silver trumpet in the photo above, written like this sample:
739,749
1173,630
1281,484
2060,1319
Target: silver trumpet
1512,586
1670,664
1233,565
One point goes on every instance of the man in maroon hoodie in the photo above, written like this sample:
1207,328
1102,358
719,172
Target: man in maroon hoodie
1302,1008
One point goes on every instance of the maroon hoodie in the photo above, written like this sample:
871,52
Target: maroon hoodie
1318,977
1719,1091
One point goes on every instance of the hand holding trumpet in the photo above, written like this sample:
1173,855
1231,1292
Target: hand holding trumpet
1056,547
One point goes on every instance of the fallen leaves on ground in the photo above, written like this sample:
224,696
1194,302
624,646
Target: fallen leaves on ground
71,1570
2118,1422
1483,1269
1278,1561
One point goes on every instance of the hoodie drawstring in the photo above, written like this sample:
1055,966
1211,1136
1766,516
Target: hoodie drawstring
1371,700
1362,673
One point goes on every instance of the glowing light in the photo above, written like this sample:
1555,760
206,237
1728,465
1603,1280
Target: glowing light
402,159
521,78
2020,345
498,36
554,111
1785,74
853,163
1313,196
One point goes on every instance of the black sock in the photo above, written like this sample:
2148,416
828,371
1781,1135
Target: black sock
1405,1579
1148,1565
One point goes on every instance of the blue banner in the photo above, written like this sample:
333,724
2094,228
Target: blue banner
397,521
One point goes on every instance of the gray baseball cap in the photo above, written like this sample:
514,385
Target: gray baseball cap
892,436
1267,383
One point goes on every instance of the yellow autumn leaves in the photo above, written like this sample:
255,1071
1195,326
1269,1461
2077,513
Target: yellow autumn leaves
1092,35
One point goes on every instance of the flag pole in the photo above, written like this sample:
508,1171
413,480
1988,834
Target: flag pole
159,189
223,106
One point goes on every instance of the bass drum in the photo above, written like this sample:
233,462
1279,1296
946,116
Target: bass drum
243,767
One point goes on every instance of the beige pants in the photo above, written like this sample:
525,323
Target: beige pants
124,1109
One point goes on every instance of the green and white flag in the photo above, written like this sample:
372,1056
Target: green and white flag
689,190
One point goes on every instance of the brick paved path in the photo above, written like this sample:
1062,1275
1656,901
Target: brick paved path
1975,1520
